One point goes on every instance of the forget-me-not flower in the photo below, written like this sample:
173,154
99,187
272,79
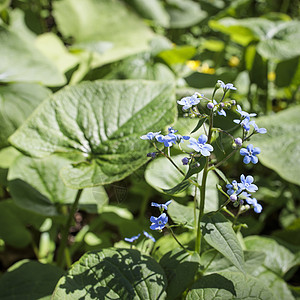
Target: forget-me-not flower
163,206
149,236
226,87
168,140
245,123
244,114
158,223
246,184
150,136
259,130
188,102
256,206
249,154
233,188
200,145
132,239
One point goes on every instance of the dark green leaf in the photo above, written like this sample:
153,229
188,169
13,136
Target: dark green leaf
35,185
229,285
181,187
180,268
113,274
200,123
12,229
29,280
218,233
278,258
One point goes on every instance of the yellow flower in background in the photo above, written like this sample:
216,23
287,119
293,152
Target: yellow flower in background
271,76
193,64
196,65
234,61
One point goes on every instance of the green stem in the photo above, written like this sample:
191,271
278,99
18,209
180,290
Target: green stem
223,160
177,241
203,189
201,208
65,232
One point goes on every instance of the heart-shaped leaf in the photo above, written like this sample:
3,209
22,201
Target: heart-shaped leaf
113,274
101,121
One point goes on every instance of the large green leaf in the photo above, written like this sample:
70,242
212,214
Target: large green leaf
102,27
217,232
281,41
23,62
280,146
151,9
29,280
53,48
12,229
17,102
180,268
227,286
276,40
215,262
102,122
35,185
113,274
278,258
184,13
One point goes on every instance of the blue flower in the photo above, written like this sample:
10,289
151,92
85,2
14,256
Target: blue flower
188,102
243,113
259,130
149,236
226,87
162,206
220,110
245,123
200,145
172,130
150,136
132,239
158,223
246,184
233,188
169,140
250,154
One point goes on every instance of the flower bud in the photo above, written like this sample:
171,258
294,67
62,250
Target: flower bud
232,102
222,104
233,197
210,105
151,154
185,160
238,142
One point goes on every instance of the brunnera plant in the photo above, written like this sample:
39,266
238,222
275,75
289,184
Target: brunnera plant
108,137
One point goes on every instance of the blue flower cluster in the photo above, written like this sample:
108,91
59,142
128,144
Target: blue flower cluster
240,191
160,222
135,237
168,140
189,102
